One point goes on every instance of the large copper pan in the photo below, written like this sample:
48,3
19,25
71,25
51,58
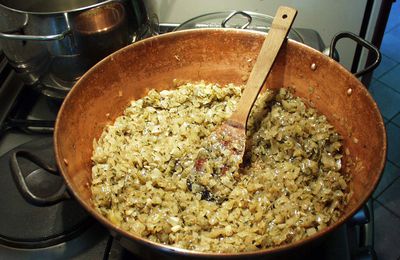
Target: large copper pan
222,56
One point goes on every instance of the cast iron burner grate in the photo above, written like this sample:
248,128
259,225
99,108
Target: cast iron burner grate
26,226
19,116
18,101
5,68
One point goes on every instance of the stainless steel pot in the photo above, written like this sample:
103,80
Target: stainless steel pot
51,44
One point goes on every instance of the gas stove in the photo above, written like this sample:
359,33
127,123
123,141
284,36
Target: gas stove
65,230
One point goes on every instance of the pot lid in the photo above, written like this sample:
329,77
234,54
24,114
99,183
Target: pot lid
235,19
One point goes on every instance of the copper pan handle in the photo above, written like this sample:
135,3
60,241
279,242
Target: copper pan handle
19,179
363,43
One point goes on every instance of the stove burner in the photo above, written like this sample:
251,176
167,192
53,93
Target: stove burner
26,226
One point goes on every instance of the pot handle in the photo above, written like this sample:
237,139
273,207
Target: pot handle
363,43
22,186
9,36
52,37
249,19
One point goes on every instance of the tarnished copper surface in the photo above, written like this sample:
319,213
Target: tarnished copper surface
222,56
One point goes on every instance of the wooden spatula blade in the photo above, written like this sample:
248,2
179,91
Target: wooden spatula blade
277,34
229,140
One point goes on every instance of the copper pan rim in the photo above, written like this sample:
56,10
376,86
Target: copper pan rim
191,253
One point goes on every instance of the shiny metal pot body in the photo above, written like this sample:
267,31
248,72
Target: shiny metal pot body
51,44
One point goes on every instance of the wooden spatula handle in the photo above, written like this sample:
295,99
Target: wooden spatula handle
280,27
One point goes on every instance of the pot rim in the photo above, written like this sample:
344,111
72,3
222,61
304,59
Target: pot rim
191,253
59,12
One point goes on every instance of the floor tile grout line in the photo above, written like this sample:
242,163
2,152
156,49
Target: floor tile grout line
385,207
386,72
393,163
386,85
388,57
389,120
398,125
393,117
385,120
392,122
386,188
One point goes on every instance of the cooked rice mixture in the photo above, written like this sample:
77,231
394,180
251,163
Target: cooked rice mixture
289,187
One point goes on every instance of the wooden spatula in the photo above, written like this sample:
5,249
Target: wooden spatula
216,166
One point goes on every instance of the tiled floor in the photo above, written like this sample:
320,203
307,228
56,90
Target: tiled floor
385,87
